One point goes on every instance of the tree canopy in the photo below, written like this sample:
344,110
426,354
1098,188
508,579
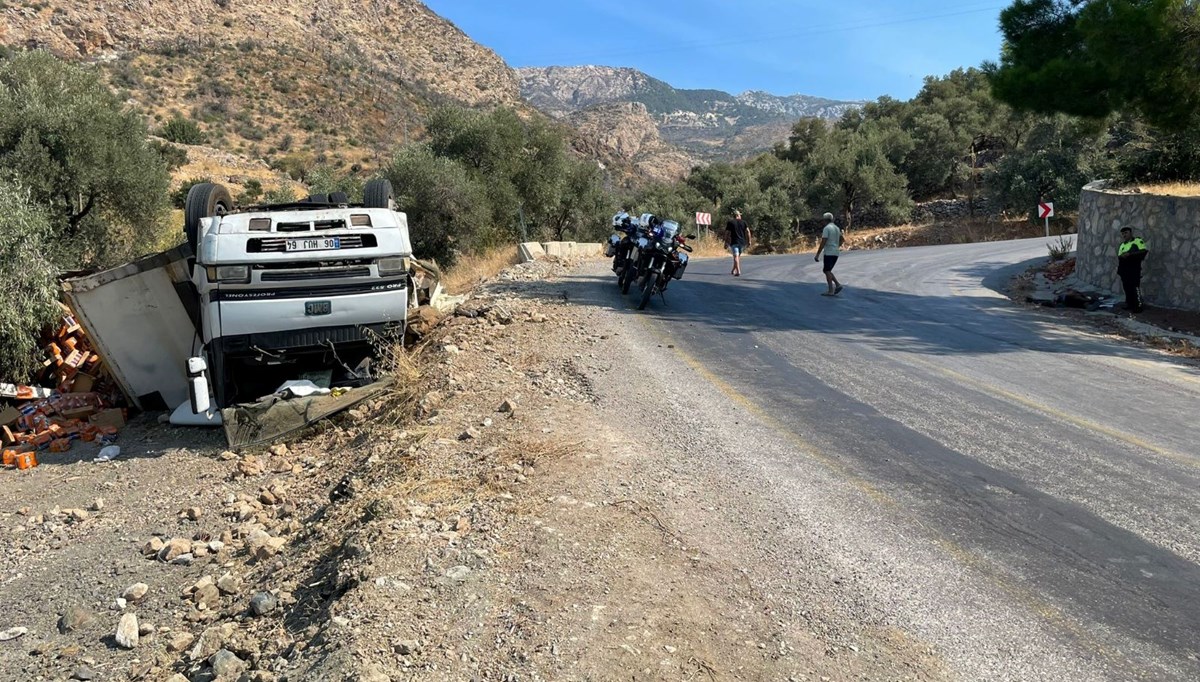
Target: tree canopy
1091,58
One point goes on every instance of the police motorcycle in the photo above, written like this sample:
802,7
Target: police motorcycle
621,242
664,259
639,244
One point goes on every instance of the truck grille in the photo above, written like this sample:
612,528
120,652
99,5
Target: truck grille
279,244
305,275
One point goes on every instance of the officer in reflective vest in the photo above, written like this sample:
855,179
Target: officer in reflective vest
1130,255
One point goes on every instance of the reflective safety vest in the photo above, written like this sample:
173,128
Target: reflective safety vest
1126,247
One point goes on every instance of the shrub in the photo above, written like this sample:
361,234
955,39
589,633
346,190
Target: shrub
182,131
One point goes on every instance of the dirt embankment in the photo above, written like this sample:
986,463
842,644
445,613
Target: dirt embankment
492,519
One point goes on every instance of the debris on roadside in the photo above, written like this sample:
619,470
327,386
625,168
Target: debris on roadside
83,405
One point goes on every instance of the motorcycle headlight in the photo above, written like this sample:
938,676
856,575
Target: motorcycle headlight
643,242
232,274
393,265
683,258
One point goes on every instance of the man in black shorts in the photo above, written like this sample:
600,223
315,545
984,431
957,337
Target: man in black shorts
737,240
831,244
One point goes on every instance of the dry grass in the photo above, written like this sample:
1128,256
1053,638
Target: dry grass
1174,189
472,269
958,232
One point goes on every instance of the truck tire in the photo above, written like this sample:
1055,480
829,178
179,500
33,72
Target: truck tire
378,194
339,198
204,200
647,292
318,199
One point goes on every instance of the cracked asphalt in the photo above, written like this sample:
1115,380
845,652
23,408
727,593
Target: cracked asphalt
921,456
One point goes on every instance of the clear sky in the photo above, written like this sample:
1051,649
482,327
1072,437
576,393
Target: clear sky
848,49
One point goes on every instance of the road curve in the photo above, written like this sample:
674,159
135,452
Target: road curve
1022,495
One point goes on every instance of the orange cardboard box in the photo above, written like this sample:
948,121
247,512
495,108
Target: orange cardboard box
42,438
60,445
79,413
26,460
114,418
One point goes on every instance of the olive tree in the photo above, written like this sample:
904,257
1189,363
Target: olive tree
83,157
29,295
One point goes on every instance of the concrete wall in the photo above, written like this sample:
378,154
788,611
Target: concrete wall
1171,228
530,251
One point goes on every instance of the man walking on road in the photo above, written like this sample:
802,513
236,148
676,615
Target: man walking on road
737,240
1130,255
831,245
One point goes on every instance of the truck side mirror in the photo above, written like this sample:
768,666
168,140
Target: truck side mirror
198,385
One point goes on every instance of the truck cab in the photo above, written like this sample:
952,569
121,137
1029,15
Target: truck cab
285,290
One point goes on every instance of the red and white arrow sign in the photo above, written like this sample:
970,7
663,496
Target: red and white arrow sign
704,219
1046,209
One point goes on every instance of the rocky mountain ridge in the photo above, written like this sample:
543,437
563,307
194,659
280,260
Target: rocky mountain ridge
707,123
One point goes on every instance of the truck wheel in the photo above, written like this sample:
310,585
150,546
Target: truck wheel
318,199
378,194
204,200
339,198
647,292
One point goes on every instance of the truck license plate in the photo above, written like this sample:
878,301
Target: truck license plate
322,244
318,307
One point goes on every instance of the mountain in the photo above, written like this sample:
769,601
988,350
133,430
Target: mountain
300,82
708,123
624,138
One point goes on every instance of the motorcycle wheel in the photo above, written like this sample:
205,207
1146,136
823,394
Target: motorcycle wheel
647,292
626,279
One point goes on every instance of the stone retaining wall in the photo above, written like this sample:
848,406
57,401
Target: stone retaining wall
1171,228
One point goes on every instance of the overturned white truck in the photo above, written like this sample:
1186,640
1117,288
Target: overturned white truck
271,292
287,287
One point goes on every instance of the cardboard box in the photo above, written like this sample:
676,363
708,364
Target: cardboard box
113,418
84,383
81,413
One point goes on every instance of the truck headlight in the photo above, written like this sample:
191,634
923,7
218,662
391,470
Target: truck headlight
393,265
235,274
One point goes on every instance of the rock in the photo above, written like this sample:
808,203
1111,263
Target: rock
83,673
76,618
98,505
226,664
229,584
458,573
216,546
77,514
183,560
175,548
268,498
180,641
119,604
152,547
250,467
13,633
507,407
210,642
407,647
177,678
135,592
206,581
452,349
145,629
469,434
207,596
263,546
372,673
263,603
127,631
227,456
193,513
279,450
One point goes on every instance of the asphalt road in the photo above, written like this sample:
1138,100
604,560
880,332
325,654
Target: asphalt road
1020,494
